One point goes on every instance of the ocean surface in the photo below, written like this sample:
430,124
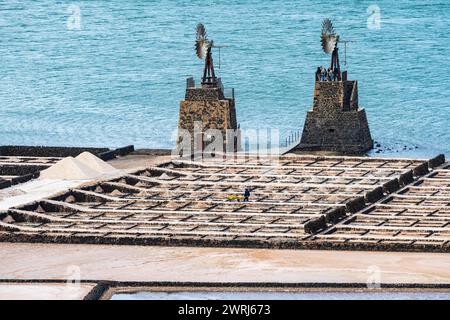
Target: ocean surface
383,295
112,73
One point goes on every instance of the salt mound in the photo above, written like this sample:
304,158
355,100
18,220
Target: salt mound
69,169
140,184
116,193
70,199
85,166
142,194
165,176
8,219
95,163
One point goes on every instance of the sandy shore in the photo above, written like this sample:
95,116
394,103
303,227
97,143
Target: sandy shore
134,263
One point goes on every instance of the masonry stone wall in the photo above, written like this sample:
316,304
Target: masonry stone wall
336,123
204,94
212,114
209,106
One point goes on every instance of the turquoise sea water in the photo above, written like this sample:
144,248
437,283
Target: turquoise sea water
118,79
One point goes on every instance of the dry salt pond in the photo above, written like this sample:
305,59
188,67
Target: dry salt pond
305,295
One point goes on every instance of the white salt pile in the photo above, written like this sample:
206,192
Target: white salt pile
165,176
95,163
116,193
70,199
69,168
84,167
141,184
8,219
142,194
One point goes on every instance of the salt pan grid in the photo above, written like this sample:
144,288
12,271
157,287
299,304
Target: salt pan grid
187,203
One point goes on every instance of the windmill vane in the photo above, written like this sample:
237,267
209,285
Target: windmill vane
329,40
203,48
202,44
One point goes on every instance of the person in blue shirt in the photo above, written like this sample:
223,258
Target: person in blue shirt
246,194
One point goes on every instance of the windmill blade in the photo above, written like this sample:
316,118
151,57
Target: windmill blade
329,38
201,32
202,44
329,43
327,27
201,48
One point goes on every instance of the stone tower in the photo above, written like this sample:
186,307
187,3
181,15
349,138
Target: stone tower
207,115
336,123
208,106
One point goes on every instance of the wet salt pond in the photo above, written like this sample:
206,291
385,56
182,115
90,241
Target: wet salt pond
205,295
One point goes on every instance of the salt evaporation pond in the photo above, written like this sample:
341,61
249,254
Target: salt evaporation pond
205,295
